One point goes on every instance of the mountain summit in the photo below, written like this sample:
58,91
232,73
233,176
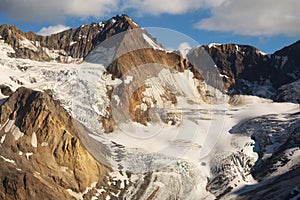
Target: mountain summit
104,111
68,46
246,70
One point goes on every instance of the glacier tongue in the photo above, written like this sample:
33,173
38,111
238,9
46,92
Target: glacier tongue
208,154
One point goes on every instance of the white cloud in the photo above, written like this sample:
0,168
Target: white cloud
52,29
184,48
157,7
255,17
95,8
56,10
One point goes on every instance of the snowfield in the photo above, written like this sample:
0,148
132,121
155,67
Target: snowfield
181,161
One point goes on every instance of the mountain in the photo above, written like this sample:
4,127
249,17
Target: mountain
106,112
67,46
246,70
42,154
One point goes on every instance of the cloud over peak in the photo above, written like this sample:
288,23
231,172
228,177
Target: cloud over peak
56,10
52,29
254,18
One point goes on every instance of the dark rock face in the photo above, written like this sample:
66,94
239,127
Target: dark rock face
287,60
41,153
240,62
76,43
246,70
5,90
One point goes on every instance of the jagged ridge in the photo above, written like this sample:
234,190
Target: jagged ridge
67,46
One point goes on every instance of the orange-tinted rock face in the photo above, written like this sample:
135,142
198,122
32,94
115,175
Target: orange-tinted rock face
48,157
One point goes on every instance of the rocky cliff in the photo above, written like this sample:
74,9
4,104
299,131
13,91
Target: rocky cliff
246,70
46,154
68,46
42,156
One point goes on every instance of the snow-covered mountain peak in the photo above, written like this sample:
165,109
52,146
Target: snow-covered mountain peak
110,114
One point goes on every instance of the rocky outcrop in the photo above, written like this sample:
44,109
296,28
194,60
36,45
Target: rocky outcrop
246,70
289,92
131,60
67,46
135,58
42,154
5,90
237,62
287,62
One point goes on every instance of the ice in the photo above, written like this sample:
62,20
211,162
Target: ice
5,50
151,42
293,156
44,144
263,53
280,60
8,160
73,42
225,76
12,128
135,23
101,24
265,90
79,195
213,45
117,176
180,156
237,48
99,191
284,59
34,140
25,43
28,154
101,55
76,195
290,92
128,79
2,138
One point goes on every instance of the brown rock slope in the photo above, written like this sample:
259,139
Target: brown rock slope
41,155
137,54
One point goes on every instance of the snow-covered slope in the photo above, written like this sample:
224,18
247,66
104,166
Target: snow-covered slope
191,148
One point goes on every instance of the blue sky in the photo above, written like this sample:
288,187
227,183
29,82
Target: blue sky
268,25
